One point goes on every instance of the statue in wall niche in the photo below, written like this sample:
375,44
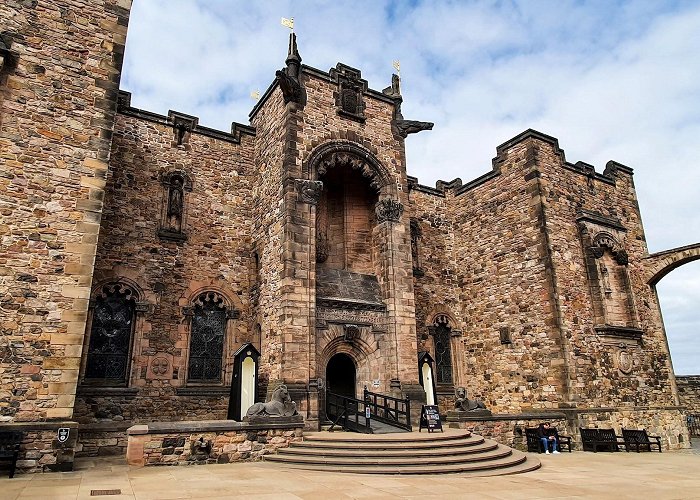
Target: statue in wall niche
175,204
463,403
280,405
606,279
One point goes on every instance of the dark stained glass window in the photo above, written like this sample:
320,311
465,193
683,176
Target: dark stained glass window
110,334
207,341
443,350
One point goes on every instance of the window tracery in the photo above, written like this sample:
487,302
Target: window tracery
113,319
208,331
442,337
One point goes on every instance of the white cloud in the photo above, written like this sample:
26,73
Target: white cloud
611,81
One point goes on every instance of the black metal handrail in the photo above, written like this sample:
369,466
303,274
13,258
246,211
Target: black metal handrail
390,410
693,421
348,412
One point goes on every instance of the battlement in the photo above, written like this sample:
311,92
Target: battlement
612,170
186,122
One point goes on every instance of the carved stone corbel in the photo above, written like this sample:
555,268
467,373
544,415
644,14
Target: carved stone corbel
388,210
308,191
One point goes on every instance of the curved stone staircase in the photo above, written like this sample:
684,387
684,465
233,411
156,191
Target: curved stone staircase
406,453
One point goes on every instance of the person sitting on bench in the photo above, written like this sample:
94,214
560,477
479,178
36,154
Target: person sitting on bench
549,436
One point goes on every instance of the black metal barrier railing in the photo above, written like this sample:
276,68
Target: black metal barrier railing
390,410
347,412
693,421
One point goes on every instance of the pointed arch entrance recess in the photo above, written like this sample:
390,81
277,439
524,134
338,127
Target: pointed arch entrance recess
341,375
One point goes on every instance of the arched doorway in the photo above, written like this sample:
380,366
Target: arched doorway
341,375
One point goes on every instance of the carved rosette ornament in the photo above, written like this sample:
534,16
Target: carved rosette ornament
388,210
309,191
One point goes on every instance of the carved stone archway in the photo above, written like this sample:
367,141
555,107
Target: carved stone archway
349,154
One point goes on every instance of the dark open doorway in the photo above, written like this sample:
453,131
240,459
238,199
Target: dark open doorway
340,375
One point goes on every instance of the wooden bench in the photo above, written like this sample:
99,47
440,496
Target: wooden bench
9,448
535,445
639,439
600,439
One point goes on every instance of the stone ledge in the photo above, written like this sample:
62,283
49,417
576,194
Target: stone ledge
107,426
453,416
89,390
39,426
216,426
203,390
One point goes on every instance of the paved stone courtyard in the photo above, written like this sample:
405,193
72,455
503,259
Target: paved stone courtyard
673,475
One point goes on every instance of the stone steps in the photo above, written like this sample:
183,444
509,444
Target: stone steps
408,453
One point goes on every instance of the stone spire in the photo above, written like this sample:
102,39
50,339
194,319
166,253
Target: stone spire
293,61
288,77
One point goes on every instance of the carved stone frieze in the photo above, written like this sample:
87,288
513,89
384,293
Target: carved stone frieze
388,210
309,191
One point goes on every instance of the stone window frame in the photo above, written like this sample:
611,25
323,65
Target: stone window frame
141,308
449,321
167,179
228,342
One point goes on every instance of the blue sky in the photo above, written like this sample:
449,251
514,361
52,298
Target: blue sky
610,80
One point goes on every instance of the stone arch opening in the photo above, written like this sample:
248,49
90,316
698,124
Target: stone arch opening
660,264
341,375
349,154
679,296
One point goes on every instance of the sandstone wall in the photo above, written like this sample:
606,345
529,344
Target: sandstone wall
322,123
607,366
202,444
689,393
485,268
58,93
214,253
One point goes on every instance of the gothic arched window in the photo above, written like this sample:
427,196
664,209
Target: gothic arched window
442,337
113,319
207,338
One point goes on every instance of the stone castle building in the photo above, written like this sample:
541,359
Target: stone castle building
142,254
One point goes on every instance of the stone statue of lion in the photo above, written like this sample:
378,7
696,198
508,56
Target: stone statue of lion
463,403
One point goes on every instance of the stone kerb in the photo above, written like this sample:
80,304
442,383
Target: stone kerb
210,441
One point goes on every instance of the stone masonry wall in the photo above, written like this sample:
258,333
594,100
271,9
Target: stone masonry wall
267,234
391,258
605,369
59,95
689,393
490,274
169,275
207,446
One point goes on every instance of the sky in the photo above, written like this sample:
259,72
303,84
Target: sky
610,79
